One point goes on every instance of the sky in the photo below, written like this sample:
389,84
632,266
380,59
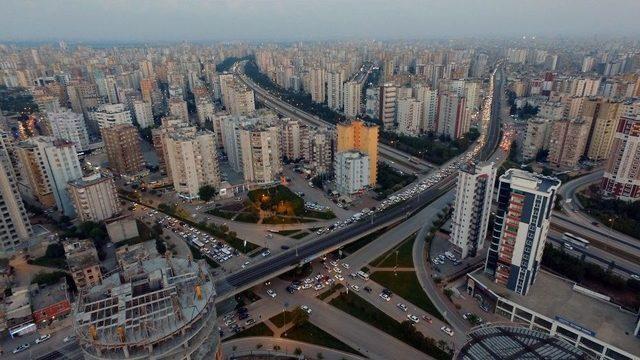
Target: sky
230,20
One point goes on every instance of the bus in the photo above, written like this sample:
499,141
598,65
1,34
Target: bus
575,240
363,275
198,243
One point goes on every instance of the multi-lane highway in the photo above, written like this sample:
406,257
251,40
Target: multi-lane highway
310,250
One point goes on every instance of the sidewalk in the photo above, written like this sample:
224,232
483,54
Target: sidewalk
265,346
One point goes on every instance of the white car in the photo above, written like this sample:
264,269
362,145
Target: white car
69,338
402,307
306,309
334,263
447,331
414,319
271,293
337,270
385,297
21,348
339,277
355,287
345,265
43,338
266,253
318,287
635,277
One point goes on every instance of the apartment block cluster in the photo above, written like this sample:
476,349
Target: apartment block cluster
588,112
419,91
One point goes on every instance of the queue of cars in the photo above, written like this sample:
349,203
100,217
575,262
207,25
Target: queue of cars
215,249
26,346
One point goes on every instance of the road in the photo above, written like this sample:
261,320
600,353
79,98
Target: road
393,156
400,212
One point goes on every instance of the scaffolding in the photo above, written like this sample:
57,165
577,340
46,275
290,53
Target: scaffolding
161,308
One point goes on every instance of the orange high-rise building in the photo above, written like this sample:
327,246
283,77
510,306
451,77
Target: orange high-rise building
357,135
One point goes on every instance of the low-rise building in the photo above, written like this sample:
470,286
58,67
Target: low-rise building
84,265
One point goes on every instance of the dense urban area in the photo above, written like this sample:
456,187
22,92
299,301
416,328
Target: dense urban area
369,199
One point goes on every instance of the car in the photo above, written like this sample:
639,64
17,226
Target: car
466,315
402,307
385,297
337,270
267,283
271,293
318,287
427,319
447,331
333,263
414,319
284,247
368,289
306,286
266,253
345,265
339,277
355,287
43,338
306,309
249,322
635,277
21,348
69,338
243,316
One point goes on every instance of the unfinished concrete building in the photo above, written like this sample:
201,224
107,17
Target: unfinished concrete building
163,308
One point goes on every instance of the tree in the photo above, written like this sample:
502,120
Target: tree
207,192
55,250
297,351
299,317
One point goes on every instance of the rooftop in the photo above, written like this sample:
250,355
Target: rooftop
145,304
514,342
543,183
48,295
553,297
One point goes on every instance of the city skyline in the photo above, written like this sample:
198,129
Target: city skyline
290,20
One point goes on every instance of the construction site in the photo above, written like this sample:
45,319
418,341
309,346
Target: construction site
161,308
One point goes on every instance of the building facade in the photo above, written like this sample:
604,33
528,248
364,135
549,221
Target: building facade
357,135
472,208
122,144
525,201
351,172
94,197
621,172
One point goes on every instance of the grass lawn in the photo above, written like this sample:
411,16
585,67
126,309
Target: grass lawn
221,213
279,320
257,330
331,290
309,333
247,217
300,235
288,232
406,285
325,215
60,263
405,255
357,307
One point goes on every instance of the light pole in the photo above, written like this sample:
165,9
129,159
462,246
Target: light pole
395,270
611,225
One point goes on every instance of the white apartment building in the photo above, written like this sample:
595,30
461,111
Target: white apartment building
372,103
14,223
335,90
317,85
409,111
351,172
69,126
94,197
352,94
111,114
144,113
241,100
472,207
293,136
429,111
388,101
193,161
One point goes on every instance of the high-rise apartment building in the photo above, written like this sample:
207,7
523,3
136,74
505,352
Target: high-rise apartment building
525,201
352,92
335,90
428,114
567,142
122,144
260,151
70,126
603,116
621,172
241,100
169,125
144,113
387,103
14,223
472,208
317,85
94,197
178,109
351,172
192,158
536,137
111,114
357,135
320,150
409,111
293,136
48,164
372,103
452,119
